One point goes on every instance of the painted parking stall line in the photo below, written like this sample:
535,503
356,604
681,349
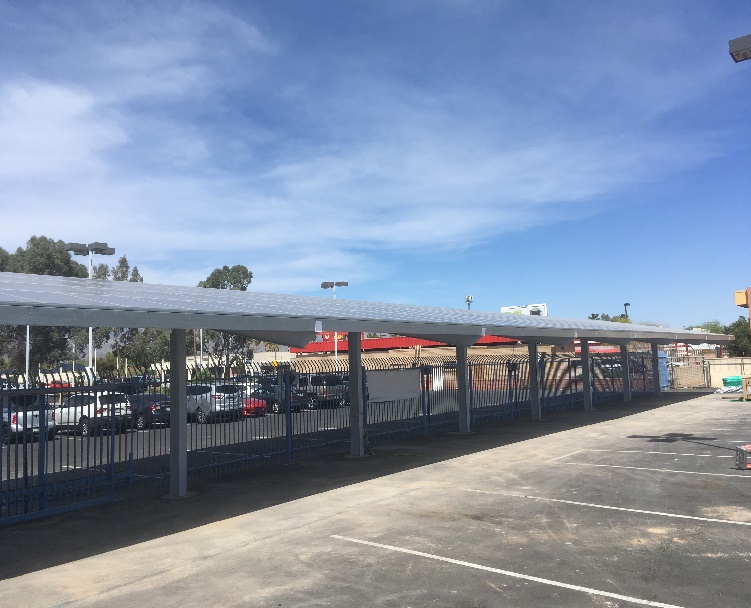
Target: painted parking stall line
526,577
648,452
611,508
620,466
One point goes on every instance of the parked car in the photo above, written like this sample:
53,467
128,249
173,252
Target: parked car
131,385
145,381
148,409
324,390
89,413
20,415
212,401
254,407
274,399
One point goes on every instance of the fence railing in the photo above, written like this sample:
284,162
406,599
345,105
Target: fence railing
72,441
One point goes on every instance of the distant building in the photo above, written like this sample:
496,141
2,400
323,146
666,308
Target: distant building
534,310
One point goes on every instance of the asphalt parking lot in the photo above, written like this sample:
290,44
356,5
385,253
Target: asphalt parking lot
629,505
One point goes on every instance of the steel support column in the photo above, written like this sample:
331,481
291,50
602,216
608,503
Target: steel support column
656,369
586,374
178,458
625,374
463,387
356,405
534,380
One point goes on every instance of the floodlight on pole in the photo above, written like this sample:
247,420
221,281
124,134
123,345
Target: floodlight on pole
740,48
625,309
333,285
89,250
469,300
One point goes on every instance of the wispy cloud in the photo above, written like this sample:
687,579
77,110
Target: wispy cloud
195,134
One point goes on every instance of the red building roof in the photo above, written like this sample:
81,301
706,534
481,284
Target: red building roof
372,344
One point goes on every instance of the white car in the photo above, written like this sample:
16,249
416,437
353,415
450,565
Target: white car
88,413
20,416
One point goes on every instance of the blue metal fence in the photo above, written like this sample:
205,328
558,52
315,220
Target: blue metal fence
49,464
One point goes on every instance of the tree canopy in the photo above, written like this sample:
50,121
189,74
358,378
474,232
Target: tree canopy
238,277
741,346
222,345
621,318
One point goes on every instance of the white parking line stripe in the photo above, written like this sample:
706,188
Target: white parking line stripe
618,466
567,455
590,504
526,577
647,452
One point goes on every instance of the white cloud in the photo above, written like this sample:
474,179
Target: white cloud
48,132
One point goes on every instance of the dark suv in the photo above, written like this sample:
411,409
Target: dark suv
325,390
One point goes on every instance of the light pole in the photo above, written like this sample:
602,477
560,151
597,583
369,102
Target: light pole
90,250
469,300
625,309
333,285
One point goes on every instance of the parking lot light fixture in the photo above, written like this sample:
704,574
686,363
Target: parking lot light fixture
740,48
90,250
625,309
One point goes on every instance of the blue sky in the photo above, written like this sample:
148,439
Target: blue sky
582,154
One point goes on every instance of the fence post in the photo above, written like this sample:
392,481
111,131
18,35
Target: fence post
178,458
542,383
534,380
287,404
656,389
461,378
356,409
625,374
587,379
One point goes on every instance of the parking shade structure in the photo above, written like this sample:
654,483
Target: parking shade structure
38,300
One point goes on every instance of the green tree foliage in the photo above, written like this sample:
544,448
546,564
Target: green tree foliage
237,277
223,346
711,327
147,346
48,346
741,346
121,336
622,318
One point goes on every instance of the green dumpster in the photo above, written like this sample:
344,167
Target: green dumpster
732,381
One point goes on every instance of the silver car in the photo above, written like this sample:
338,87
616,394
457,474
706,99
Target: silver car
21,417
211,401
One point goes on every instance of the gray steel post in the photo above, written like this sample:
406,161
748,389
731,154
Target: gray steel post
178,458
656,369
534,380
625,374
586,374
356,409
461,379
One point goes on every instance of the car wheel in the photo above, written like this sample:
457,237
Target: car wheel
5,436
140,422
51,434
276,407
312,403
84,427
200,416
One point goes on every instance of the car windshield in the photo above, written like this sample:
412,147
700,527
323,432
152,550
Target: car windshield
227,389
113,398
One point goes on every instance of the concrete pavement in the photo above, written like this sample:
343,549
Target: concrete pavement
627,505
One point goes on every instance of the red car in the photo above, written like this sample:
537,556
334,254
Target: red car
253,407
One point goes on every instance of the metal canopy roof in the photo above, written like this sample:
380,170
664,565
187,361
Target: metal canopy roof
27,299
